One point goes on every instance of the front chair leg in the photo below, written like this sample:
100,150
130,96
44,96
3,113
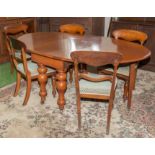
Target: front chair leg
17,84
125,95
28,90
109,116
79,113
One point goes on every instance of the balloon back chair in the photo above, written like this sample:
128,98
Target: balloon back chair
26,68
123,71
95,86
15,30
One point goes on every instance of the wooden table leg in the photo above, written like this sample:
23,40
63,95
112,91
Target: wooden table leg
42,78
61,84
131,83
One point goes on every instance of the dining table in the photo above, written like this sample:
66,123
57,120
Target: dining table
53,49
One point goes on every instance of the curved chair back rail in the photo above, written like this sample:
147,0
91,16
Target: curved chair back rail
95,86
130,35
26,69
72,28
15,29
124,71
96,58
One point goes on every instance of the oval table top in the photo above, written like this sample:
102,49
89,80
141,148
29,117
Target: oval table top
59,45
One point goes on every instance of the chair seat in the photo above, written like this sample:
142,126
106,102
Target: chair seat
18,55
124,70
99,88
33,68
121,70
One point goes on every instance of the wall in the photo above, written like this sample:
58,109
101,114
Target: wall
106,26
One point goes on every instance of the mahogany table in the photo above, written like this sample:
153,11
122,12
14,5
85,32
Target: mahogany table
53,49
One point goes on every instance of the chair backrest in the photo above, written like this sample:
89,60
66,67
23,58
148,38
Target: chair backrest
95,59
15,45
130,35
72,28
15,29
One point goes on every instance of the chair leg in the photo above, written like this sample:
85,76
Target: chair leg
79,114
110,107
82,68
17,84
71,75
54,86
28,90
135,78
125,95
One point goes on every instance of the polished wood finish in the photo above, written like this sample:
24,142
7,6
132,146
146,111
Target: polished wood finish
6,21
144,24
72,28
14,30
54,49
13,45
95,59
92,25
132,36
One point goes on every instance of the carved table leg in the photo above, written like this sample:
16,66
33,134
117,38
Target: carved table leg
61,88
42,78
131,83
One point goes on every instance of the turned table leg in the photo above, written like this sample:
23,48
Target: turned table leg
42,78
131,83
61,88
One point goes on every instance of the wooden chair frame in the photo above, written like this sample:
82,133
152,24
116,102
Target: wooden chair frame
95,59
73,29
14,30
13,45
132,36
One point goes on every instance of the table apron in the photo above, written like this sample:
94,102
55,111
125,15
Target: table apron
57,64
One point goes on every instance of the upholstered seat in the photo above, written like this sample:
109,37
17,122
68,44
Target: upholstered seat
123,71
26,68
18,55
15,30
99,88
32,67
92,85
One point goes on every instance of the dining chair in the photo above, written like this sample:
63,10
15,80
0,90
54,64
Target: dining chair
123,70
15,30
92,85
73,29
26,68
